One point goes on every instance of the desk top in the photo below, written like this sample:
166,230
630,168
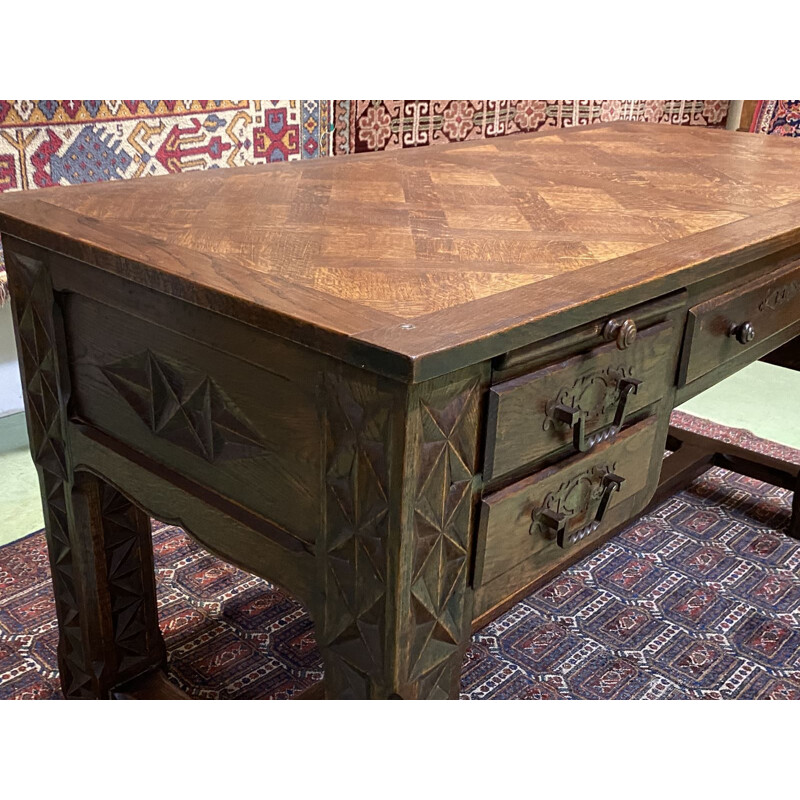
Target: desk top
420,261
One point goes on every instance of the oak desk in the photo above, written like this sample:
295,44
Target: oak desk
405,387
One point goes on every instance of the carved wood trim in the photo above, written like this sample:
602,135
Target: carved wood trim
780,296
129,566
46,391
395,550
189,411
353,551
98,543
445,428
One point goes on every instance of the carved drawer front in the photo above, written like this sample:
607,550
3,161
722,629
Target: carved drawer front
536,521
576,404
723,328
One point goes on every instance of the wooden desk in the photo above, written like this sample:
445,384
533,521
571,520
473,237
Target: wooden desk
405,387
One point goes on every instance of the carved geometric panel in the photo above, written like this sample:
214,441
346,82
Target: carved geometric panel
395,549
442,521
127,543
195,415
34,308
354,546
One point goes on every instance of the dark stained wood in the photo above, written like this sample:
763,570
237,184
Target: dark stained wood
449,338
514,544
323,371
584,338
314,692
220,526
152,686
400,489
157,394
99,545
769,306
522,424
680,468
494,605
694,454
787,355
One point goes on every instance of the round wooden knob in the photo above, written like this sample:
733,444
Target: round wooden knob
744,333
623,333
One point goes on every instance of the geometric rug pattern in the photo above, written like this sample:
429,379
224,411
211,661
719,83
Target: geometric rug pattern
700,599
362,126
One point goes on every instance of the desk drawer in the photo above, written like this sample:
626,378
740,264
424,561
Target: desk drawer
605,386
727,326
533,523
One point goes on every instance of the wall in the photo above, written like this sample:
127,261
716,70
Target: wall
10,387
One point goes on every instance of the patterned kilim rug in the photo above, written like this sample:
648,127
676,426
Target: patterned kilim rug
699,599
780,117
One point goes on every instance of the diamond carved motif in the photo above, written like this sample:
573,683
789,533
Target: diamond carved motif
127,534
357,510
397,530
193,414
442,517
33,301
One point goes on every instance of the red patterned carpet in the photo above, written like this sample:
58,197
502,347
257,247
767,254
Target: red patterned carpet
779,117
699,599
365,126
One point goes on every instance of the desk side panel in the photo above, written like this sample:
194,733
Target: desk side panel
228,407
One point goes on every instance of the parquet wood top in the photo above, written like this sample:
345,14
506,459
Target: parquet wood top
418,252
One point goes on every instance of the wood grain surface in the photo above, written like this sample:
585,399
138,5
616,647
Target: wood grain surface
510,533
431,252
345,376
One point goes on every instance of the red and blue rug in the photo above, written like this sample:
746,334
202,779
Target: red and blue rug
699,599
779,117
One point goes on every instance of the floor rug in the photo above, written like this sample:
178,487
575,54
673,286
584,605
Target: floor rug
779,117
698,599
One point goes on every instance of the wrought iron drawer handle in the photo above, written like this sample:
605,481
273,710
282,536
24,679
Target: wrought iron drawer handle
623,333
577,421
556,522
744,333
611,483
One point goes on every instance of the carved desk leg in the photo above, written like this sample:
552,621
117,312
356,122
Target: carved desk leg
100,550
394,554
